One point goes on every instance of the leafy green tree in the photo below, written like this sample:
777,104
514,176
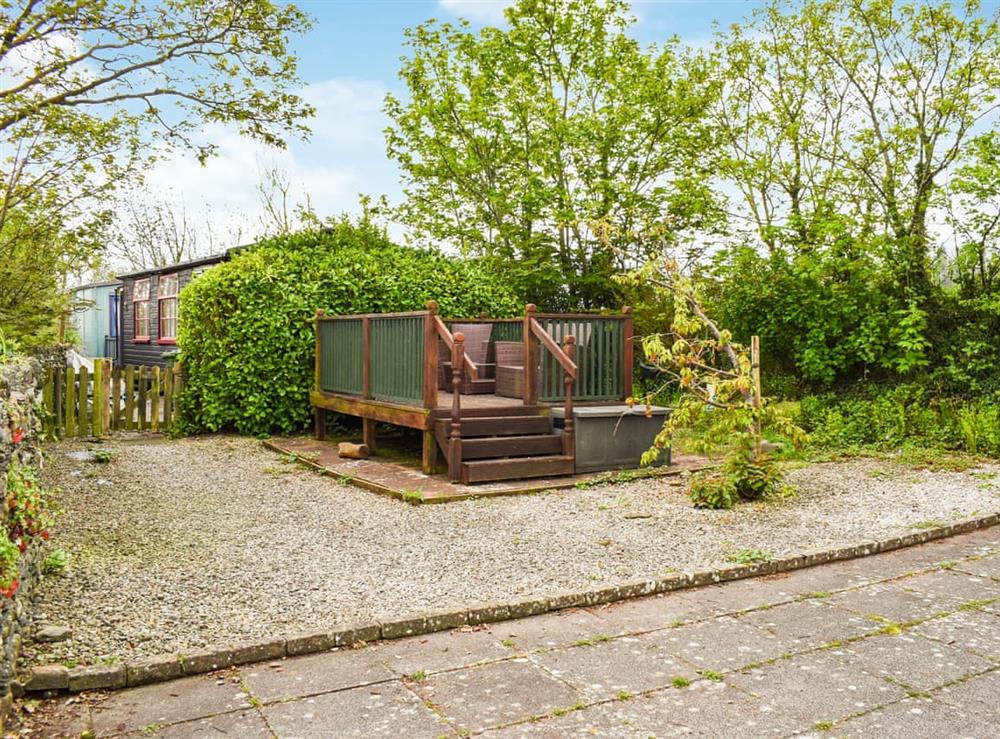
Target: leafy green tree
842,122
546,143
90,89
247,325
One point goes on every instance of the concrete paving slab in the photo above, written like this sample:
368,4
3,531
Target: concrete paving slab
977,695
710,709
908,658
242,724
444,650
975,631
318,673
385,710
603,671
988,566
811,623
915,718
479,698
614,720
654,612
557,629
816,687
721,644
163,704
951,588
890,601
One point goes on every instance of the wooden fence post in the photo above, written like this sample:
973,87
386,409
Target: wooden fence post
129,398
141,422
82,391
154,402
628,357
530,360
755,378
70,402
106,404
47,394
96,416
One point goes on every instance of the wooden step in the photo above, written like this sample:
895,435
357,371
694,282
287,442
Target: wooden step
489,470
511,446
502,426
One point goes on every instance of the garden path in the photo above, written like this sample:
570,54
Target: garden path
900,644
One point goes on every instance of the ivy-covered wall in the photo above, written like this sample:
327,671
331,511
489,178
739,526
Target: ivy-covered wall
24,516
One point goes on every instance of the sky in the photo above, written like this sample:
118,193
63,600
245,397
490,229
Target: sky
348,62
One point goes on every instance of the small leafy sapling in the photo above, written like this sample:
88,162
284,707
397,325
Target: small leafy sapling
720,399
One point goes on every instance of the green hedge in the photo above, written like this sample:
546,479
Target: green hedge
246,326
890,417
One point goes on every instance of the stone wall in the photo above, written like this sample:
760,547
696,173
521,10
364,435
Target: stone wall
20,433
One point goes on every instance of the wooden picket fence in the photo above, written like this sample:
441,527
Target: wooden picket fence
130,398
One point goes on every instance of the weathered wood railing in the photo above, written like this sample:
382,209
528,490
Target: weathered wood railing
603,356
564,357
81,403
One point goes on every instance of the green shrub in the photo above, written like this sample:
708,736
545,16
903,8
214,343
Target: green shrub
752,477
712,490
246,326
887,418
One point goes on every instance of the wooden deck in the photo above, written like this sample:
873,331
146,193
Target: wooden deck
396,368
410,484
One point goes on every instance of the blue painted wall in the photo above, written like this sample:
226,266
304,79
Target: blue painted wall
93,320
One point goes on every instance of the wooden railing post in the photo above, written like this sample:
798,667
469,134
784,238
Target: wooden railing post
628,348
429,451
430,356
455,445
530,359
568,438
367,424
319,414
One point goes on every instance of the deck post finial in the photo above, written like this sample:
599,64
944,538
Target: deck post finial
459,337
432,306
530,308
627,309
320,312
570,340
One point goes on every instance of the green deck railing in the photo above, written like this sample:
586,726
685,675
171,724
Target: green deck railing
599,357
382,356
397,359
341,365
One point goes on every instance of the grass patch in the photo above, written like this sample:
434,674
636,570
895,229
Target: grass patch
417,676
712,675
748,556
680,682
591,641
823,725
930,523
624,695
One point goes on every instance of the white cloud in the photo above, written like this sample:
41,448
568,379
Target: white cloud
482,11
344,156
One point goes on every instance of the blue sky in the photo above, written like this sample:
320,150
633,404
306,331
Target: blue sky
349,61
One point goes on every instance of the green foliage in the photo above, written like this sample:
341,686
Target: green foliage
55,563
247,326
547,143
753,476
712,490
749,556
885,418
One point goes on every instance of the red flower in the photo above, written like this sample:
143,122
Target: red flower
18,435
9,591
45,534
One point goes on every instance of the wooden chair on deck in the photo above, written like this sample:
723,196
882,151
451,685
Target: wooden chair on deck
477,347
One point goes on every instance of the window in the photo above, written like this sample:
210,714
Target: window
167,303
140,310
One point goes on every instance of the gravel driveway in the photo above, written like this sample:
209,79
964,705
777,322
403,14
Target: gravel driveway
195,542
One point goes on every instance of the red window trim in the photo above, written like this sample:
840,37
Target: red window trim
140,338
159,307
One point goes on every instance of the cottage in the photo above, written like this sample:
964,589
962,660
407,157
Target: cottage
148,315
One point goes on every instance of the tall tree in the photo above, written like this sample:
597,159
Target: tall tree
852,113
91,89
550,143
